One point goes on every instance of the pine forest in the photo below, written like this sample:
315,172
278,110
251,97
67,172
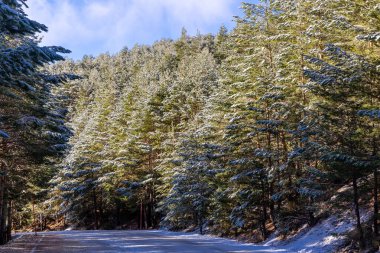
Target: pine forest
253,132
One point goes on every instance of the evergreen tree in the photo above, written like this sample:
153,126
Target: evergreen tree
339,82
31,117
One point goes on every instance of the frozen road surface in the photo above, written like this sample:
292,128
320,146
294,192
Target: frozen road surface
151,241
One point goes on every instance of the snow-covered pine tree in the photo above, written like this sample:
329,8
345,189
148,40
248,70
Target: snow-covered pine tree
338,82
31,119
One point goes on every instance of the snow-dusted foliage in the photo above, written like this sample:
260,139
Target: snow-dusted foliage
31,115
244,133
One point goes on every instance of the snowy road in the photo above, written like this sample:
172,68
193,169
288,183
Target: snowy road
151,241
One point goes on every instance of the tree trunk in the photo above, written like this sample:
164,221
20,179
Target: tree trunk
145,217
118,222
101,209
357,212
34,218
200,224
264,231
148,209
4,206
264,211
9,223
375,203
141,215
2,241
271,204
96,220
375,192
312,220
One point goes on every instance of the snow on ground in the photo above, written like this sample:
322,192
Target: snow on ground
147,241
327,235
324,237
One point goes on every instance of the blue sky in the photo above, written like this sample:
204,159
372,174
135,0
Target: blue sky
96,26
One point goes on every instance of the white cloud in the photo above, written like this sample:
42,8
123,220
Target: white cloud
95,26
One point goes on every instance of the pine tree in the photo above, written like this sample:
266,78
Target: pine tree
339,82
31,117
